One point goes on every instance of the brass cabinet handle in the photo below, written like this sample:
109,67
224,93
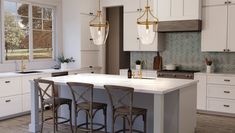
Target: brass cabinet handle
225,2
227,106
227,92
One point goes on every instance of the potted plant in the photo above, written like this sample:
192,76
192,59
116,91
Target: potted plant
208,65
64,62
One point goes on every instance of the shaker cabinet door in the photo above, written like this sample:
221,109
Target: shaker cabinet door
231,28
214,29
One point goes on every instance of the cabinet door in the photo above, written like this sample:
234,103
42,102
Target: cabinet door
131,41
131,5
10,105
26,98
89,58
177,9
213,2
192,9
164,10
26,88
108,3
214,29
88,6
201,91
86,40
231,28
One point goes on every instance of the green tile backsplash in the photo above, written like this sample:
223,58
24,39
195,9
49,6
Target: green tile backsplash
184,49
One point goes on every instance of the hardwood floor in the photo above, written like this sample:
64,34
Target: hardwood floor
205,124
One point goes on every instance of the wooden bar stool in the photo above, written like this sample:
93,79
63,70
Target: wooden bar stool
121,99
47,96
82,95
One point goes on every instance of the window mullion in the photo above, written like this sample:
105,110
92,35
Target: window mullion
30,33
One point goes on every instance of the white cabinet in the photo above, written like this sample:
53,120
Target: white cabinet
86,39
131,39
26,81
216,92
90,58
10,86
88,6
217,34
231,27
214,30
10,105
171,10
26,102
110,3
213,2
201,91
136,5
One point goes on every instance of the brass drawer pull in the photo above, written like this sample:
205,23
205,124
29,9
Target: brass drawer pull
7,82
7,101
227,106
227,92
226,80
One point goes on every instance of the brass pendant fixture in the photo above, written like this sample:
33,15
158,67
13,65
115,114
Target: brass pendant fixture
99,28
147,26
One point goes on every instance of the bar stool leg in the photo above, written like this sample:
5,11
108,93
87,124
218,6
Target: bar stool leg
86,120
42,120
145,122
70,117
105,119
124,124
56,120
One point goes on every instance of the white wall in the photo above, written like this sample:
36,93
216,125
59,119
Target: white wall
71,30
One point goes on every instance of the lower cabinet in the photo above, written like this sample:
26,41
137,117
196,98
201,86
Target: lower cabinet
26,102
10,105
216,93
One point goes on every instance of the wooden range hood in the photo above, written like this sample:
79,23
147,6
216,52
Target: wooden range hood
180,26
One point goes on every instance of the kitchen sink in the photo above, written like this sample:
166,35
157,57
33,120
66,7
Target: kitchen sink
28,72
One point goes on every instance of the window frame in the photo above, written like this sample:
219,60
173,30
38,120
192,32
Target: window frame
2,34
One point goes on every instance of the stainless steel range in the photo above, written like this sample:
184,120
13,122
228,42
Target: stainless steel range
180,74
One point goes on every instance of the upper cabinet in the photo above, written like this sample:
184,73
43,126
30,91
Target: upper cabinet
218,27
136,5
88,6
214,2
172,10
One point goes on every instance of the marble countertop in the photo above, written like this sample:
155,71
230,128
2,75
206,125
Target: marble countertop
42,71
153,86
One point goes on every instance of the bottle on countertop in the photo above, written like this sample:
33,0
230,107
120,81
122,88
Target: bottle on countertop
129,73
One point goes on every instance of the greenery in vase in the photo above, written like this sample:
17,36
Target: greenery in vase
62,59
138,62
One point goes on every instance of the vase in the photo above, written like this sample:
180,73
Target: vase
138,67
208,69
63,66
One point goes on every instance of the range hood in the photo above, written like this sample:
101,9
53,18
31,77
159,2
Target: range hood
180,26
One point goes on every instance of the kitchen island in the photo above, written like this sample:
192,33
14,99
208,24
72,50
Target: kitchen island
171,103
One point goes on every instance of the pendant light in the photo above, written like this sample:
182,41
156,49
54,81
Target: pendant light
99,28
147,26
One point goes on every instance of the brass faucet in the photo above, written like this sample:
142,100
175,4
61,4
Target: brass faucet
23,66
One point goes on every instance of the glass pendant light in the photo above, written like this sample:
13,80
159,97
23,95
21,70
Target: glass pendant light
99,28
147,26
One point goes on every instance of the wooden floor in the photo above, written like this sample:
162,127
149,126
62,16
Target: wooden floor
205,124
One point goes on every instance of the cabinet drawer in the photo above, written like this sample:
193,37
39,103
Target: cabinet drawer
225,80
221,105
10,105
10,86
221,91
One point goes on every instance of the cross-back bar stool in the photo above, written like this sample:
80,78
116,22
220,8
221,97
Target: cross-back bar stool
82,95
47,96
121,99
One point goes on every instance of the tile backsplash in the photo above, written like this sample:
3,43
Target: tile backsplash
184,49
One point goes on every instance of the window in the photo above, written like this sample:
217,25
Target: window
28,31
